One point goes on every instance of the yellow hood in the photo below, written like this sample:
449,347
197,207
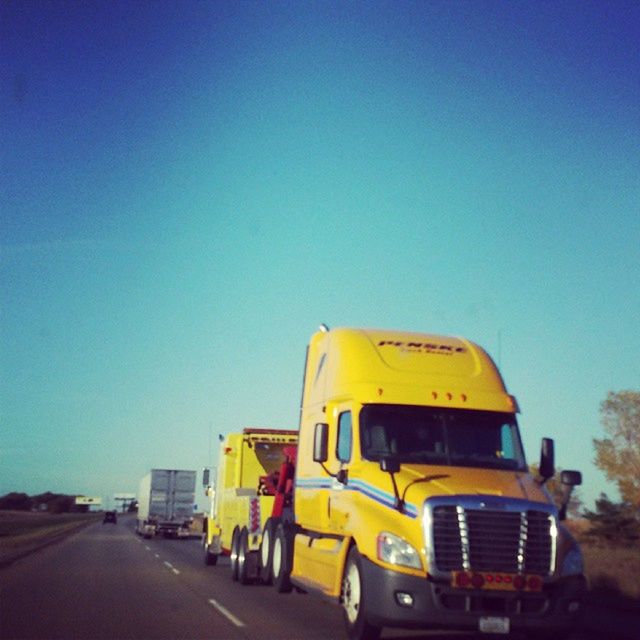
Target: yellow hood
421,482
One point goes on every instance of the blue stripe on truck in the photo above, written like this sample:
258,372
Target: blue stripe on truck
366,489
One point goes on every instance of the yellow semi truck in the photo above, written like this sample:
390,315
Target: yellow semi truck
413,504
254,480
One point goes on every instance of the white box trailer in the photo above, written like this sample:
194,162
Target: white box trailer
165,503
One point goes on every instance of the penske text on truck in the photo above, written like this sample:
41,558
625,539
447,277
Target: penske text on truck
254,482
412,501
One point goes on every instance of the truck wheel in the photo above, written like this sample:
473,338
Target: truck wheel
235,538
244,576
353,601
265,555
282,558
209,558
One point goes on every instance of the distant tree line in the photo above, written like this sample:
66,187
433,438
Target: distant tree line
50,502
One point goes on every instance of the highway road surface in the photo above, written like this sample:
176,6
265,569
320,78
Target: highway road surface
106,583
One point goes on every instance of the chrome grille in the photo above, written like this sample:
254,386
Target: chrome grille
494,540
537,550
513,540
446,538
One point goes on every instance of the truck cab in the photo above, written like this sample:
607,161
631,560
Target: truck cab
413,503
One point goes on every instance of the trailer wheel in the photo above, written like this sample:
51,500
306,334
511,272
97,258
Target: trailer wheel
244,574
353,601
235,538
265,555
282,558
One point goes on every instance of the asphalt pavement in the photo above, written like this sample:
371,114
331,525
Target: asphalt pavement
105,583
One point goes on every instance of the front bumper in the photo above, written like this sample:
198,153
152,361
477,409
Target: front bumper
438,605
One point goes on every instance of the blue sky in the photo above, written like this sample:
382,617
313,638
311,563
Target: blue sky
189,189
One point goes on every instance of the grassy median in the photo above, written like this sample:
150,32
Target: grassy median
612,570
613,575
22,532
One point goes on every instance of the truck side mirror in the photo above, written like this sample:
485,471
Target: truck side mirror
547,463
321,442
571,478
568,479
390,465
205,477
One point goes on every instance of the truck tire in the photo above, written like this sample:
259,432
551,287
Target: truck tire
210,559
244,572
235,538
282,558
353,600
265,554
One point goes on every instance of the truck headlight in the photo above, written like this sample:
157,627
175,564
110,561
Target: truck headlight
395,550
572,564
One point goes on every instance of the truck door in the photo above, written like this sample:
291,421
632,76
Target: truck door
339,496
160,491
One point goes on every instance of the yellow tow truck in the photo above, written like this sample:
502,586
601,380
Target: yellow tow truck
254,481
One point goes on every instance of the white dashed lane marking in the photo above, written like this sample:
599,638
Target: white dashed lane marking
168,564
226,613
214,603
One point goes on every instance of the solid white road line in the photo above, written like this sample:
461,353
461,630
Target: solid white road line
226,613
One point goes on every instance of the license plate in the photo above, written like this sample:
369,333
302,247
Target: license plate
491,624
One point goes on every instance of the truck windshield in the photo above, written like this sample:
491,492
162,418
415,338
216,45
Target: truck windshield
430,435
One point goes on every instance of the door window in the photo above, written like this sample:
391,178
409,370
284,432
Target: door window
343,448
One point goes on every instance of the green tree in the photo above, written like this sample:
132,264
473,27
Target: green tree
618,455
55,502
613,523
16,501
